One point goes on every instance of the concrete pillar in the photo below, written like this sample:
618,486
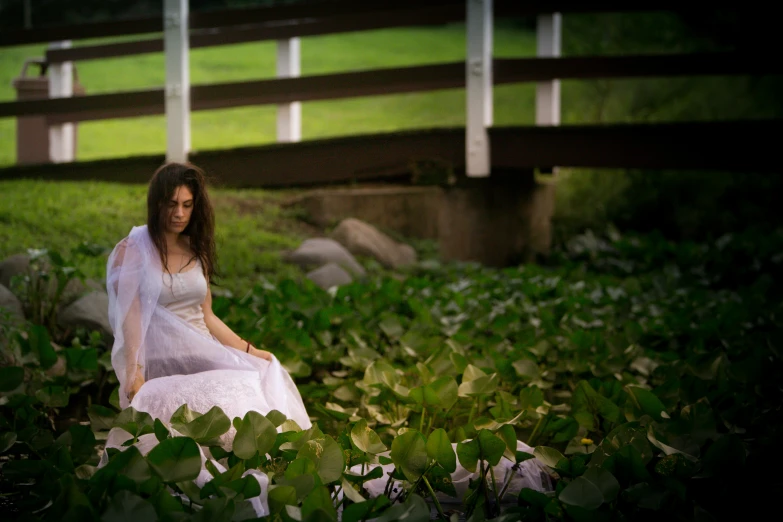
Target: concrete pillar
176,46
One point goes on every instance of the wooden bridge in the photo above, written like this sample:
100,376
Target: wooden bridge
477,218
724,145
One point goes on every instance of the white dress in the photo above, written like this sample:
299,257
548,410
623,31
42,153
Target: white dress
158,325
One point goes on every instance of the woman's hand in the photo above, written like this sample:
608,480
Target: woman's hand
261,354
135,384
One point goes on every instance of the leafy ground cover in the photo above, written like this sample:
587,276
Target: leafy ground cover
644,373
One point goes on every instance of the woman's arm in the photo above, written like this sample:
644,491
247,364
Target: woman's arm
225,335
131,326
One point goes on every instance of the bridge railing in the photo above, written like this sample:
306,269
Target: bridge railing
286,24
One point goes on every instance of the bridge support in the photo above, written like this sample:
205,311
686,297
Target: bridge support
289,115
61,136
478,84
549,29
176,45
502,220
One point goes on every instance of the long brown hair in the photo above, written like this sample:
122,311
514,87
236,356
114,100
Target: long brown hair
200,229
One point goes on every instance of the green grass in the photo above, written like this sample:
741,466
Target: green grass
256,125
251,228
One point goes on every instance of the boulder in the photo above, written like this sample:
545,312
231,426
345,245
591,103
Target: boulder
10,303
363,239
12,266
317,252
90,311
329,275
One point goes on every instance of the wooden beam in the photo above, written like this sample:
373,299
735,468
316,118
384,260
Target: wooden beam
418,16
261,15
391,81
742,146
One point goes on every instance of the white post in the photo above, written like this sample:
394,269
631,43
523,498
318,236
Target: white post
61,86
176,47
548,93
289,115
478,87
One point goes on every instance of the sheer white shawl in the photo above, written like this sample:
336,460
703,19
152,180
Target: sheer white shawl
163,345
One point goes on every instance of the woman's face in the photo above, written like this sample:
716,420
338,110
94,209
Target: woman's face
180,208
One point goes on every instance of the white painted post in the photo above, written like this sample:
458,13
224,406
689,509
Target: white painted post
548,93
61,86
176,45
478,87
289,115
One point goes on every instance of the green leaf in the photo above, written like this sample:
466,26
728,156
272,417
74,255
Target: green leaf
648,402
134,422
548,456
604,481
319,501
10,378
81,441
414,509
527,369
128,507
300,466
161,432
255,434
276,418
202,428
531,398
468,453
374,473
81,358
364,510
101,417
366,439
390,325
53,396
509,436
114,398
581,493
491,446
442,392
439,448
480,386
440,480
327,456
38,338
586,400
353,494
176,459
7,439
183,415
281,496
472,373
128,463
409,454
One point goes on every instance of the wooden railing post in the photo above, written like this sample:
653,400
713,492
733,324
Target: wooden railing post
478,85
176,47
61,136
289,115
548,46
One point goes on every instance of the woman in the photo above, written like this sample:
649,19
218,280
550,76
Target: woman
169,347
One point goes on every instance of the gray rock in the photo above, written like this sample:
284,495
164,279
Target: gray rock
329,275
317,252
10,303
363,239
90,311
12,266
